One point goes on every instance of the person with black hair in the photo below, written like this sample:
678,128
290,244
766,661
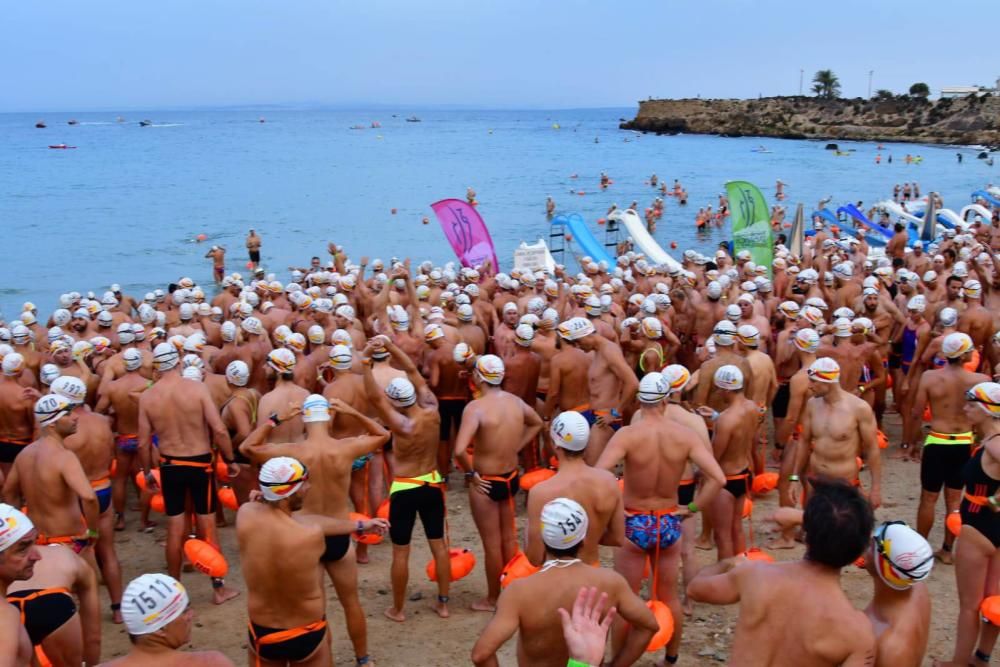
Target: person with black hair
795,612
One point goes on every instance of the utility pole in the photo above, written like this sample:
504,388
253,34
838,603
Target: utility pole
801,74
870,73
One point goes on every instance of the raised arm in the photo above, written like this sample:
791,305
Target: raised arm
363,444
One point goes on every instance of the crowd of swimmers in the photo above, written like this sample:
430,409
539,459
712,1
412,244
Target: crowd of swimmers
642,405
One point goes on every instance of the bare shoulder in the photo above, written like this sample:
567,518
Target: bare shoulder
207,659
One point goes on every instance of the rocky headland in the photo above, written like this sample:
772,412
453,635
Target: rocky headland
968,121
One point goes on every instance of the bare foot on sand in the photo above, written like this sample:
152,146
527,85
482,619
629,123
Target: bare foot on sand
704,543
116,616
441,609
687,606
223,594
119,522
484,605
362,554
394,615
782,543
943,556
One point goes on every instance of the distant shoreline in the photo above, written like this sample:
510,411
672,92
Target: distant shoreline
960,121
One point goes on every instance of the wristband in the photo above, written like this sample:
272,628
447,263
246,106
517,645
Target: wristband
993,502
361,526
273,418
693,508
793,478
91,533
576,663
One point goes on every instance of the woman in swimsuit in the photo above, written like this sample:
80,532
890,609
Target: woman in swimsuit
977,558
239,414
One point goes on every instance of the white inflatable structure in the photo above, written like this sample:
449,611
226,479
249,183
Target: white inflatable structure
643,241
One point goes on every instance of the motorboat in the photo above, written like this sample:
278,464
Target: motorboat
145,123
41,125
412,119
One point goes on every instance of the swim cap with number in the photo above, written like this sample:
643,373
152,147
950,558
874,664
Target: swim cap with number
570,430
564,523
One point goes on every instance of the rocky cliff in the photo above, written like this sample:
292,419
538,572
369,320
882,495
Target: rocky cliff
972,120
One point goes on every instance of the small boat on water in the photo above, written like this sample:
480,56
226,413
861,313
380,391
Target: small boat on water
72,121
376,124
60,146
119,120
41,125
412,119
261,120
145,123
357,127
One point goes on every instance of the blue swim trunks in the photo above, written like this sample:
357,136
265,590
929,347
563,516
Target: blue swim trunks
642,529
612,417
360,462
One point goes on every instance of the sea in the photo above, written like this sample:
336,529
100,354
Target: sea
128,204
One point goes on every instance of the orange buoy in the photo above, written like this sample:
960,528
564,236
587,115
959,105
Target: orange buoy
666,622
673,245
463,562
554,463
228,498
43,660
364,538
926,417
221,471
426,221
621,485
206,558
601,221
989,610
200,238
249,265
758,554
518,568
569,237
156,503
860,561
383,510
972,364
140,479
532,477
954,522
883,440
765,482
581,193
860,462
747,507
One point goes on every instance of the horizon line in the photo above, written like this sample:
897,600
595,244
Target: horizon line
318,106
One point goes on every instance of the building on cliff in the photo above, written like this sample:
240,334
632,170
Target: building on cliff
966,91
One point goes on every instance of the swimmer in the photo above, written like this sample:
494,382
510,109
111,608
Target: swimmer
187,424
530,606
253,242
17,422
217,254
786,607
499,425
158,619
281,545
18,555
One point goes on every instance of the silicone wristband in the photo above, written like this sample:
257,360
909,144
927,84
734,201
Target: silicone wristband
793,478
693,508
576,663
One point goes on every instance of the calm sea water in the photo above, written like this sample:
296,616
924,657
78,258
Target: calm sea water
125,205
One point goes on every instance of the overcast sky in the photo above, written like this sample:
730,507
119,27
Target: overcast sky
64,56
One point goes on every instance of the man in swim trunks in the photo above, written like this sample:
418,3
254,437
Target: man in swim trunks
949,442
217,254
17,423
976,321
612,383
49,611
49,479
281,545
656,449
732,445
568,388
837,427
410,410
329,459
785,608
119,398
530,605
706,393
158,618
764,390
93,444
187,425
596,490
281,365
253,248
499,425
18,555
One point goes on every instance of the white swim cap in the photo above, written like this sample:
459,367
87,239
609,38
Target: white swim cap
653,388
575,328
132,358
315,409
13,364
524,334
749,335
433,332
956,345
789,309
973,289
564,523
490,369
806,340
401,392
676,377
296,342
812,315
82,349
341,357
228,331
729,378
724,333
192,373
948,317
51,408
902,557
253,326
61,317
186,312
48,373
842,328
917,303
570,430
238,373
825,370
151,602
316,334
195,342
714,290
13,526
462,353
281,360
71,388
165,357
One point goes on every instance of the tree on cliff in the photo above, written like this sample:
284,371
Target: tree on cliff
882,94
920,90
826,84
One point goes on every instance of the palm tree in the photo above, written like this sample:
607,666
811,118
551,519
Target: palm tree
826,84
920,90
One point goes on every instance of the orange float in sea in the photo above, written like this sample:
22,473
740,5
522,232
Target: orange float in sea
569,237
426,221
201,237
533,477
581,192
601,221
954,522
249,265
364,538
463,562
765,482
206,558
666,622
383,510
156,503
228,498
673,245
518,568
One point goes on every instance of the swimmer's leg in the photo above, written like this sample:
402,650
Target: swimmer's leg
344,575
666,590
357,492
630,562
689,564
206,529
64,646
400,574
975,556
600,434
722,511
111,569
442,560
486,514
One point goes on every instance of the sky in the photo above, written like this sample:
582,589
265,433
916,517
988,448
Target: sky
111,55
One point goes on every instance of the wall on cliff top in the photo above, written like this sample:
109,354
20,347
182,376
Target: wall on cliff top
972,120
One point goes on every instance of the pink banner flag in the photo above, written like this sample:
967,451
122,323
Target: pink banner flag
466,232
